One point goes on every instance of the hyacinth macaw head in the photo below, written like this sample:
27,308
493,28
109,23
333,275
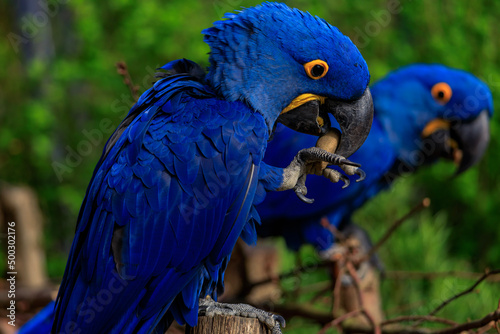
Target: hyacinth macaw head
433,111
294,68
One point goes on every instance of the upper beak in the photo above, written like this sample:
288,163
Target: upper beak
473,138
308,113
462,142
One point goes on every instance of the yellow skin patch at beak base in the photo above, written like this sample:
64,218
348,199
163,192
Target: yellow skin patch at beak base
435,125
301,99
441,124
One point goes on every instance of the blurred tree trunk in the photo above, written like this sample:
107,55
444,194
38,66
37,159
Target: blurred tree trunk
349,300
33,22
248,265
20,205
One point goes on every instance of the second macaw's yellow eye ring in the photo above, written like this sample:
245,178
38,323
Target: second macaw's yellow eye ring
441,92
316,69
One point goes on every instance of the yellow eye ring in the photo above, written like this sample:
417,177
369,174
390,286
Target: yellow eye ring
316,69
441,92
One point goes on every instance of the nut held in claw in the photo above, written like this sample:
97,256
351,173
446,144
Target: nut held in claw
328,142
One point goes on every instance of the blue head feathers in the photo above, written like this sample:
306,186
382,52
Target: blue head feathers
420,101
258,56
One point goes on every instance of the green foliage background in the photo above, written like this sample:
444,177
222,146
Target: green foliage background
65,89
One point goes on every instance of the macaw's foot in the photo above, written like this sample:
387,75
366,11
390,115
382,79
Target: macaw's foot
209,307
313,160
352,170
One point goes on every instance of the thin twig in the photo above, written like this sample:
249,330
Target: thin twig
486,328
418,317
395,330
321,291
404,275
336,291
291,273
497,323
333,229
121,68
291,310
400,309
336,322
357,285
423,204
463,293
494,316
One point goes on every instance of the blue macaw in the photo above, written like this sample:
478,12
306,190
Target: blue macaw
178,179
422,113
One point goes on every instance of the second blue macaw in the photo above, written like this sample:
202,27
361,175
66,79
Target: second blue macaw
422,113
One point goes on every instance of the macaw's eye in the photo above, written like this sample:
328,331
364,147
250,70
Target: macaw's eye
316,69
441,92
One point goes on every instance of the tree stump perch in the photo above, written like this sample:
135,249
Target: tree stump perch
222,324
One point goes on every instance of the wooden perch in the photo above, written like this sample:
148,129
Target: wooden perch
228,325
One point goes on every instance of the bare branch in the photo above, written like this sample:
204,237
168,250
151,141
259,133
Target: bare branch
297,310
338,321
486,328
424,204
469,290
336,291
332,229
403,275
291,273
121,68
427,318
494,316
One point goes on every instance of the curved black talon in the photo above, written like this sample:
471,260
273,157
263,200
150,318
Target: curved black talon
280,319
350,163
346,181
301,190
361,173
302,197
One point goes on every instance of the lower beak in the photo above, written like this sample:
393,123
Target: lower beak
464,142
310,114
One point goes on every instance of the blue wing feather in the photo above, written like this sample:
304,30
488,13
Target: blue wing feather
164,209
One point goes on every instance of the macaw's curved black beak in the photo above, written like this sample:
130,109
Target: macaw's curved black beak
473,138
464,142
309,114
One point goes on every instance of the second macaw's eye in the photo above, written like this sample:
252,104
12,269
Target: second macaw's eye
441,92
316,69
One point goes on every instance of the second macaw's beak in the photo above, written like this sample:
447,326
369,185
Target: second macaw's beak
463,142
309,114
